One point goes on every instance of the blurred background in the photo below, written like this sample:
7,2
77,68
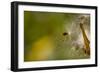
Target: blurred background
54,36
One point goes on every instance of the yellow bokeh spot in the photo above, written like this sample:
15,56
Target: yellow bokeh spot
42,49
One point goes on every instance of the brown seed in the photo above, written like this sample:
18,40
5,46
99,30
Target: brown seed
65,33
